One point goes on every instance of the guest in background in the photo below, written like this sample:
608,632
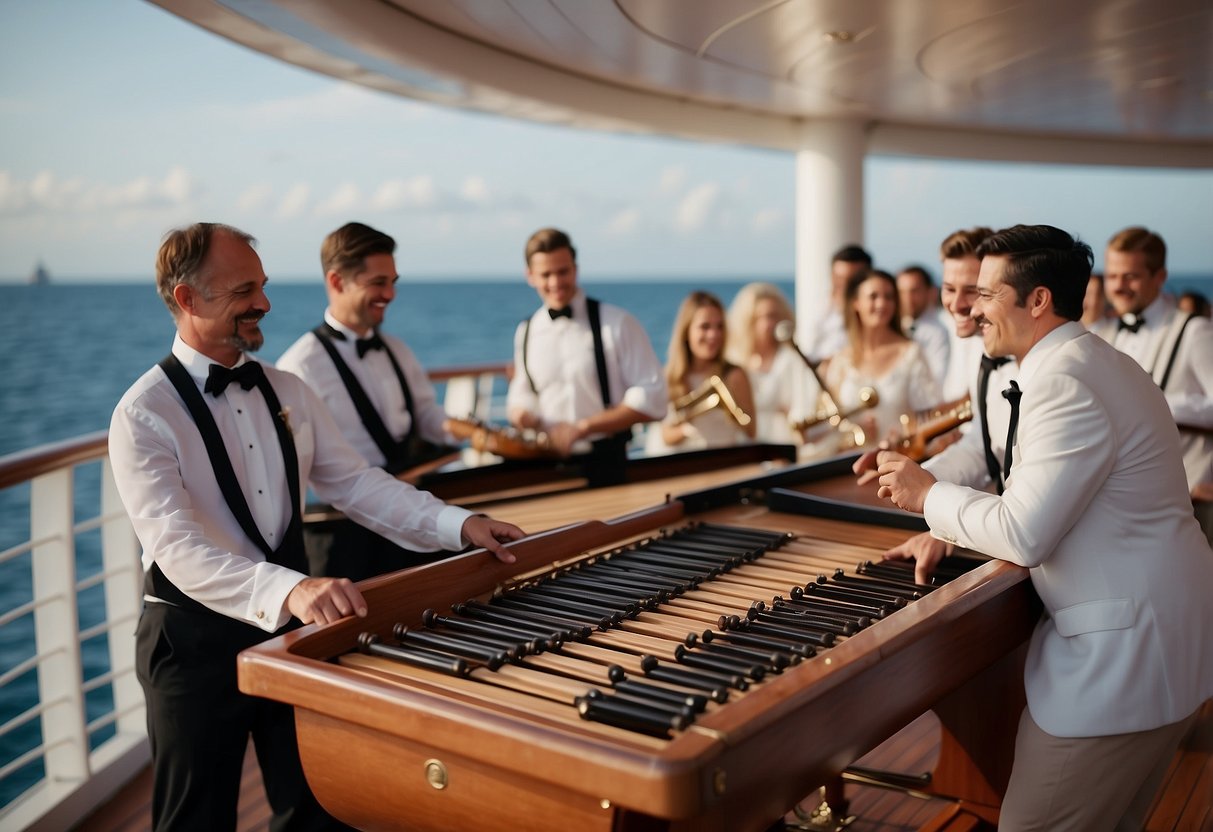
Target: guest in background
583,370
1094,302
696,355
784,388
377,391
1195,303
831,336
916,293
878,355
959,291
1174,347
975,459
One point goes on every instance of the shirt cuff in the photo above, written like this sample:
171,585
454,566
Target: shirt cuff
450,527
938,509
639,400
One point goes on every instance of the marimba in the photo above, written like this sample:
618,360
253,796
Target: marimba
681,667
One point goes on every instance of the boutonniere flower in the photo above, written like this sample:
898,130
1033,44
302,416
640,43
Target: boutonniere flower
285,415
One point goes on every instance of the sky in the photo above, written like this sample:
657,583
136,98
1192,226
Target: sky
119,121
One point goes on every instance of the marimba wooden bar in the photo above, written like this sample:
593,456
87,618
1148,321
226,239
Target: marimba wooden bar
722,679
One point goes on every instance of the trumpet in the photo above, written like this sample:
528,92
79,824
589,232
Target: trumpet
712,393
829,412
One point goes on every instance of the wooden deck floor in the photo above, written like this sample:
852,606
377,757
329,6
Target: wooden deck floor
1185,803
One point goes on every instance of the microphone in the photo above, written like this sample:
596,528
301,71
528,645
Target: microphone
785,333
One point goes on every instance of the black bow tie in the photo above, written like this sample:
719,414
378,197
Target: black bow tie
1130,321
365,345
246,375
989,364
562,312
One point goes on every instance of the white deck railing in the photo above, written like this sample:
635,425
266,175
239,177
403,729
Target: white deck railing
83,761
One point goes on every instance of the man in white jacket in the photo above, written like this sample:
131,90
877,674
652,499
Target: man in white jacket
1096,506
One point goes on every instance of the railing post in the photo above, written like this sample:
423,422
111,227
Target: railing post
123,602
57,629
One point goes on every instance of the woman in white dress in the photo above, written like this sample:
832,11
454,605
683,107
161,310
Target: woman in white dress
878,355
784,388
696,354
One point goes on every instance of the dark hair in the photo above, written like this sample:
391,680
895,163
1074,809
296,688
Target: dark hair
547,240
1200,303
346,249
1136,238
181,255
963,243
923,275
1041,255
852,254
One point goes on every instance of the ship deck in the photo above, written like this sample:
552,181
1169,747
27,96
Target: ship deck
1185,803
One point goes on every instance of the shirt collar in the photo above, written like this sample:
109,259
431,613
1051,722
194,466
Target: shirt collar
577,304
1156,311
195,363
349,334
1041,349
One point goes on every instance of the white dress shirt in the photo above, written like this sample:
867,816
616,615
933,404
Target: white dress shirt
935,341
183,522
964,461
829,338
560,357
787,391
308,359
1189,389
1097,508
963,358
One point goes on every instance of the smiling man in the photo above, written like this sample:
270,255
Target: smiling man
210,449
1173,346
583,370
377,391
1097,509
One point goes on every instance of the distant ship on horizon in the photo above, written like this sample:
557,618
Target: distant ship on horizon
40,276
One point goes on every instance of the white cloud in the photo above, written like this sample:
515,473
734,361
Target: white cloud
47,193
694,208
767,219
623,223
345,199
254,198
402,194
294,203
476,190
671,179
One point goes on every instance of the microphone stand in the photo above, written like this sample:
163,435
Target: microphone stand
785,334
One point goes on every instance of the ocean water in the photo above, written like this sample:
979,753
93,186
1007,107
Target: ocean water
70,351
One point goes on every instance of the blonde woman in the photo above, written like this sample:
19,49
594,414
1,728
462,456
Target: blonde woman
696,354
784,388
880,356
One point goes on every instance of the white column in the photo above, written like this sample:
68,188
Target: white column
829,211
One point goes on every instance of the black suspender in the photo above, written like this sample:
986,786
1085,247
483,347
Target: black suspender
222,466
393,451
290,553
591,309
1166,376
604,384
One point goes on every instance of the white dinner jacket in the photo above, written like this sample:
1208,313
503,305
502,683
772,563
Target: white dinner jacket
1097,508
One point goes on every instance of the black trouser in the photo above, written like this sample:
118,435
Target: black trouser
199,725
343,549
607,461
